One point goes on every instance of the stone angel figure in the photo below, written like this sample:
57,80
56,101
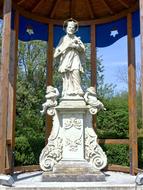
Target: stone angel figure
91,99
51,100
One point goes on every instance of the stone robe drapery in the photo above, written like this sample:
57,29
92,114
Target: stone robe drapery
71,59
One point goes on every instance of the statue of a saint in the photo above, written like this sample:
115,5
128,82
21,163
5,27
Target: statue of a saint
71,52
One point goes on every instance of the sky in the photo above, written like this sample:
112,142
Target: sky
115,62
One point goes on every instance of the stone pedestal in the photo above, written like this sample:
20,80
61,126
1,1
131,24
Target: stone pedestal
73,171
72,152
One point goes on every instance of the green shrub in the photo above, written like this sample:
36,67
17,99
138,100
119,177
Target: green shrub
27,151
140,151
113,123
117,154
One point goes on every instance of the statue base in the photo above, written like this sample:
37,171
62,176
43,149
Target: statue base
72,152
73,171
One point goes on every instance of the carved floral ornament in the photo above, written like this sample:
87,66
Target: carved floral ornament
93,152
73,122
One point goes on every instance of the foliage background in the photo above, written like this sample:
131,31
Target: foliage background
30,125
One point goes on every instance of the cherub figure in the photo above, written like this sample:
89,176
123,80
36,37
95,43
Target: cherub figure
51,98
91,99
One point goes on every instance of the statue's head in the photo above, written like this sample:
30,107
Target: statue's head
50,89
91,90
70,26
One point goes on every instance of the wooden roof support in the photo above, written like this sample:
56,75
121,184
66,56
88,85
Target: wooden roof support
141,31
12,93
132,98
71,8
49,76
107,7
124,4
93,55
113,141
54,8
93,64
5,61
37,6
89,6
20,2
115,17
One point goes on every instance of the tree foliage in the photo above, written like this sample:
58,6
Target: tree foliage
31,86
113,123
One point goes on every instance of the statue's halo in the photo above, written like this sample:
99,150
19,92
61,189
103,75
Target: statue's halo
70,20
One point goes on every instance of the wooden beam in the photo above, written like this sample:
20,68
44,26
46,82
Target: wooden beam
117,168
12,93
93,65
20,2
132,97
37,6
107,7
110,167
27,168
54,8
4,81
49,76
141,31
93,55
72,8
50,56
113,141
90,9
106,19
124,3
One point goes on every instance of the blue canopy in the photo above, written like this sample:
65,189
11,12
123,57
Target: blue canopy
106,34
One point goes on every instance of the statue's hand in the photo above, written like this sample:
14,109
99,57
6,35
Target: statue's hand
73,45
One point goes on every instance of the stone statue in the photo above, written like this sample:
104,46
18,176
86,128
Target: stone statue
91,99
72,152
51,100
71,52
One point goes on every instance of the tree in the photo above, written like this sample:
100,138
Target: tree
122,76
31,85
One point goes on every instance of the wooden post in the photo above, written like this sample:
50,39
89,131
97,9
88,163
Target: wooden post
49,75
93,56
93,64
132,97
12,94
141,33
5,61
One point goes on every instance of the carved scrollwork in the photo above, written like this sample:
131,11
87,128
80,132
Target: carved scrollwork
73,144
73,122
51,154
51,111
93,110
93,152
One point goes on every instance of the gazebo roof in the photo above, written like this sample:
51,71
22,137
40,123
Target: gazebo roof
81,10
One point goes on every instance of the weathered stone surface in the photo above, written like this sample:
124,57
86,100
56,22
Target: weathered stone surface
6,180
73,171
72,137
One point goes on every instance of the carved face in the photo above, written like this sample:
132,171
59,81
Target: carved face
71,28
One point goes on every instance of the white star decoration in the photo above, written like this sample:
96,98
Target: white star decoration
114,33
30,31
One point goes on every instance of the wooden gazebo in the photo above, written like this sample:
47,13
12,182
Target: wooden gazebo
53,12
